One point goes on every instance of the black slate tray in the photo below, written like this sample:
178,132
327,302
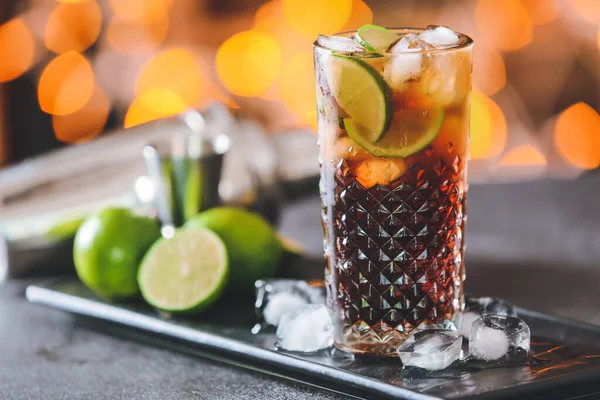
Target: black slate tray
566,362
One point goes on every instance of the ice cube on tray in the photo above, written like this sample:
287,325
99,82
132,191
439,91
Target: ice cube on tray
275,297
468,318
499,336
306,329
475,307
433,349
489,305
279,304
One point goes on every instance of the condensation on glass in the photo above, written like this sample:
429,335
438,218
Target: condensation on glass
394,227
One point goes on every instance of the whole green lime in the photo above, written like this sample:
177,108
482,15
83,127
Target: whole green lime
108,249
253,249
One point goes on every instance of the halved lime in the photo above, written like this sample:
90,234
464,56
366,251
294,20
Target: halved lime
361,92
253,250
185,273
375,38
410,132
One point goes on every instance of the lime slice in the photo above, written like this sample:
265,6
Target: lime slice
361,91
375,38
253,250
410,132
185,273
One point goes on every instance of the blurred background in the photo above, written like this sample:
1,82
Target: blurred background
71,70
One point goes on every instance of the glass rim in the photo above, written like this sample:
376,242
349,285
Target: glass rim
468,41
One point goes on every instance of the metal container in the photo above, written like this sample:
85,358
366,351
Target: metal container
43,200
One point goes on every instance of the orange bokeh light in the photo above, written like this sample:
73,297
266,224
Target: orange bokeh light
488,127
268,15
154,104
269,19
84,124
176,70
541,11
136,37
141,10
248,63
587,9
73,26
576,136
313,17
297,88
17,48
489,71
505,24
526,155
360,15
66,84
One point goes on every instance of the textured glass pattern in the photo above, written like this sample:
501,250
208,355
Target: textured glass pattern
395,259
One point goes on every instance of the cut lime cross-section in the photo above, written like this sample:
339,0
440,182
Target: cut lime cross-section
410,132
361,92
375,38
185,273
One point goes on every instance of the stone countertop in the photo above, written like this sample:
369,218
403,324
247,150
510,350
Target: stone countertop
48,354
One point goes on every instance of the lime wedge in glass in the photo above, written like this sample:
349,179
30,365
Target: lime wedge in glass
375,38
185,273
410,132
362,93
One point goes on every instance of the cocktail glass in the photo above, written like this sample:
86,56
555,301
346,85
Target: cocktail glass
393,193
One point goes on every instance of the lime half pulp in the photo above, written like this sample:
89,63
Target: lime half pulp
185,273
362,93
410,132
375,38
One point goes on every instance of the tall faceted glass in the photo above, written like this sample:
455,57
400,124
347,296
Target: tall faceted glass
393,195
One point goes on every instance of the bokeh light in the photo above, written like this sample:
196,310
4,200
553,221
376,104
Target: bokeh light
136,37
297,88
269,18
525,155
589,10
175,70
73,26
268,15
541,11
313,17
360,15
141,10
154,104
66,84
481,129
489,71
248,63
17,49
505,24
488,127
577,136
84,124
